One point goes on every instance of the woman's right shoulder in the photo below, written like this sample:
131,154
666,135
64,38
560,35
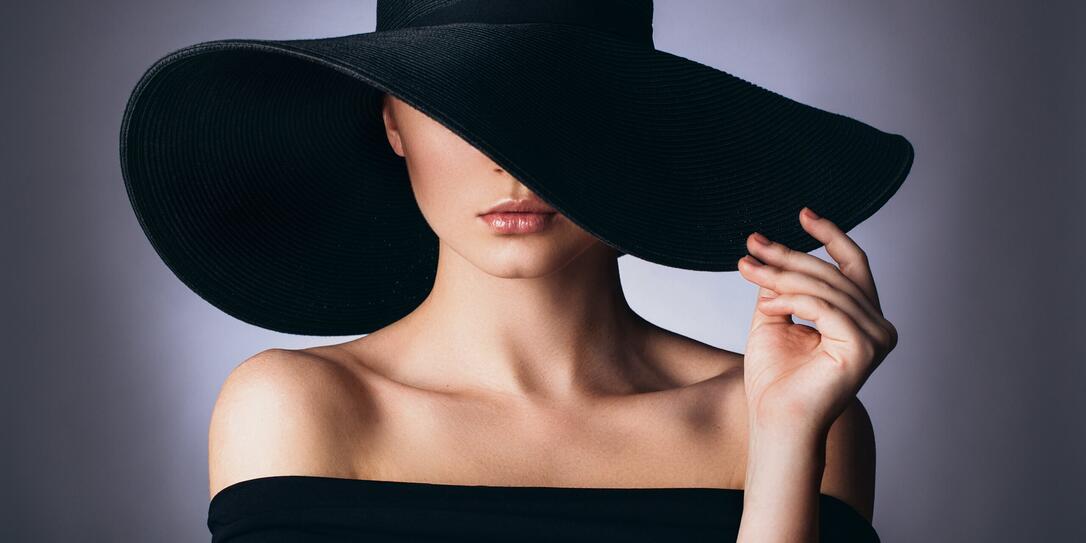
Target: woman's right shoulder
294,369
281,412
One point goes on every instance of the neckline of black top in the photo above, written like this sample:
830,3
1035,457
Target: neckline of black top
416,487
318,490
324,509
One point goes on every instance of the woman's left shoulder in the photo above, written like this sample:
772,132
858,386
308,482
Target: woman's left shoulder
850,459
849,472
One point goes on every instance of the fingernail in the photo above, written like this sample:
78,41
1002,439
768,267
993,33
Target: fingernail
810,214
752,261
761,239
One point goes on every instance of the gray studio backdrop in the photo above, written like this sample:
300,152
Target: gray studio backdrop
112,365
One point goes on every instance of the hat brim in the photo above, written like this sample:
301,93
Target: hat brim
260,172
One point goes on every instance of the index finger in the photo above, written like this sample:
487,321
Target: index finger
850,258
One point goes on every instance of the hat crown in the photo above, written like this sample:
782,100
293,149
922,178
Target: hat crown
628,19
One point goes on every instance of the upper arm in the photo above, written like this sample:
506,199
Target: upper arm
272,417
850,460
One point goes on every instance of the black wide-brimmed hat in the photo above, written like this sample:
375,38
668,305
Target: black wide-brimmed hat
262,175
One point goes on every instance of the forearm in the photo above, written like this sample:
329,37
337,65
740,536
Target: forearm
784,475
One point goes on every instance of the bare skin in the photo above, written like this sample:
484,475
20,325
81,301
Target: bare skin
524,367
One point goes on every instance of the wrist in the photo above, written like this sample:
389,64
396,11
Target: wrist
783,480
787,444
787,430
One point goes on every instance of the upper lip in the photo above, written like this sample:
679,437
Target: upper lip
524,205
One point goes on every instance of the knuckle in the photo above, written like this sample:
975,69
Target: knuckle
868,349
823,286
827,268
859,263
891,331
887,332
881,337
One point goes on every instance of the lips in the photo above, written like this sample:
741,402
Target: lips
524,205
518,222
524,216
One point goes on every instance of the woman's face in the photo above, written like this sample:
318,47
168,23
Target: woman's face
455,184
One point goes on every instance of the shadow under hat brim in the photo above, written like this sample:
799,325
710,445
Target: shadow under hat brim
260,171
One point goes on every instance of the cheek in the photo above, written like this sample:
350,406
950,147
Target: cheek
443,199
435,194
441,176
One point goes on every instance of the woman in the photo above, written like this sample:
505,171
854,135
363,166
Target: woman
526,367
523,398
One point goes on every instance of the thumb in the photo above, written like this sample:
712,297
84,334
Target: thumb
776,317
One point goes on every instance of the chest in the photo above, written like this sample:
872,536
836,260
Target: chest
665,440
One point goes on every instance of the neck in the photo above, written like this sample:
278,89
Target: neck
561,337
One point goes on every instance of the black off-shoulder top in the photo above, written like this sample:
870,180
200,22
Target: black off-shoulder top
312,509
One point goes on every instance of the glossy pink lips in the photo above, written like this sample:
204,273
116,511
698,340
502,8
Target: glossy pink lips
517,222
522,216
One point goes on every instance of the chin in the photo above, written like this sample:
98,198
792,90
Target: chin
521,263
524,260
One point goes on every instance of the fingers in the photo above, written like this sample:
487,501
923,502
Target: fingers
797,282
850,258
848,288
841,335
824,277
759,318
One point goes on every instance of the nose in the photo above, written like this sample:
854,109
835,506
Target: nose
518,188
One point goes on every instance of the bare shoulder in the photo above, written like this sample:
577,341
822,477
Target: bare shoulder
276,414
850,460
689,360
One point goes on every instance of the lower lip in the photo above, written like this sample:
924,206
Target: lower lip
518,223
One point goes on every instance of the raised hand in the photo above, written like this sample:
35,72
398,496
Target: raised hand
798,377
